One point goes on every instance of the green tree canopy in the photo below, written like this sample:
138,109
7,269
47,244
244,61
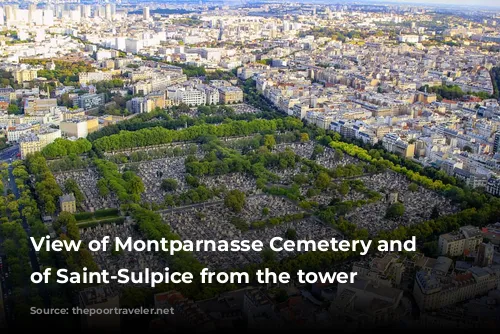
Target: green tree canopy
235,200
394,211
169,184
63,147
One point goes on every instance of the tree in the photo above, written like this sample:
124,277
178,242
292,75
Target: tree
70,186
291,234
13,109
169,184
66,224
344,188
135,185
435,212
394,211
304,136
322,181
300,179
339,155
63,147
192,181
235,200
102,187
413,187
269,141
318,150
467,148
281,295
268,255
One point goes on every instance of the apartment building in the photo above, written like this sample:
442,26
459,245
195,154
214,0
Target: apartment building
393,143
14,133
433,290
465,240
25,75
426,98
493,186
350,129
320,119
230,94
79,127
211,93
187,95
73,114
87,77
36,106
472,180
139,105
29,144
366,302
89,101
48,135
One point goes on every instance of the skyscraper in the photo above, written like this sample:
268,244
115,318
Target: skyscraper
145,13
86,11
10,14
31,13
107,11
221,30
496,142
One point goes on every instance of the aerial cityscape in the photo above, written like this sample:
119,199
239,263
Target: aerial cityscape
250,120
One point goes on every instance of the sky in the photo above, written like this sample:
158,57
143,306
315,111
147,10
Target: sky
489,3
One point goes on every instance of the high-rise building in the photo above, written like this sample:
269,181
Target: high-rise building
31,13
221,30
100,12
10,14
86,11
48,17
107,11
496,143
145,13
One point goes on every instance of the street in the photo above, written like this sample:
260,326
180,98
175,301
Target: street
9,153
5,284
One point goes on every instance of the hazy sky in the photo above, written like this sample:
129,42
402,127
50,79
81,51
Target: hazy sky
492,3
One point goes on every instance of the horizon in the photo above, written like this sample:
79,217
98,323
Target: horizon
475,3
472,3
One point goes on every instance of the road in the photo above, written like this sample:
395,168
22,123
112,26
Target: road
3,318
35,266
9,153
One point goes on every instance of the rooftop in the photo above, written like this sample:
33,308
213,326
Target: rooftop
67,198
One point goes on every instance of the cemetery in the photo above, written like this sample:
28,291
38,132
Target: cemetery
217,222
153,172
87,182
112,260
418,205
288,184
361,198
